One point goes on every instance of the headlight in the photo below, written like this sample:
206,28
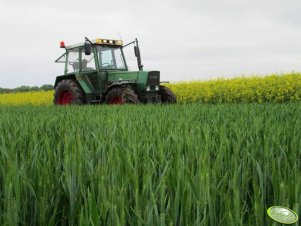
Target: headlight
156,88
119,42
147,88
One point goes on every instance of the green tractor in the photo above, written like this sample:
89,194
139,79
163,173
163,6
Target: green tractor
96,72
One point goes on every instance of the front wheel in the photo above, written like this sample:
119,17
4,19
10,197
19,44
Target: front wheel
68,92
167,95
120,95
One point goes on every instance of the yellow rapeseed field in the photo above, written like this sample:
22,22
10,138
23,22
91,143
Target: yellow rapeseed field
27,98
272,88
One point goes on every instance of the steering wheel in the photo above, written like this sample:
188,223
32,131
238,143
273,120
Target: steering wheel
105,64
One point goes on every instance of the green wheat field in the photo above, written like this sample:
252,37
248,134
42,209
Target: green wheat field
176,165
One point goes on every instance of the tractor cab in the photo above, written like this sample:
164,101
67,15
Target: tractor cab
95,57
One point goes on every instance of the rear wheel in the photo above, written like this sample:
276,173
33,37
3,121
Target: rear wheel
68,92
119,95
167,96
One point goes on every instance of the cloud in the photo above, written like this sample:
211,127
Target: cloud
184,39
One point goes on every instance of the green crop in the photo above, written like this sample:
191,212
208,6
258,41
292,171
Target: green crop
149,165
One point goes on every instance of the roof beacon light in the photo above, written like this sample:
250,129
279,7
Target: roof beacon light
62,44
282,215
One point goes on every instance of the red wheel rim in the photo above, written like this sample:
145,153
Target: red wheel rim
116,100
66,98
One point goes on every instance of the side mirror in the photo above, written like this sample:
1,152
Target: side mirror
87,48
137,54
137,51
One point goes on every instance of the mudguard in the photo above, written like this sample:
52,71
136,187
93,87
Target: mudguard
86,88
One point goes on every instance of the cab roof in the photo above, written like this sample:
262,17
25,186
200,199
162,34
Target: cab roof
98,41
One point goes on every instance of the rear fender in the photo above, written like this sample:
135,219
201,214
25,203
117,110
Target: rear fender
63,77
83,84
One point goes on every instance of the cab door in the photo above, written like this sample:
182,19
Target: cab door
88,70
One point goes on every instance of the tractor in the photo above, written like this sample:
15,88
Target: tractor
96,72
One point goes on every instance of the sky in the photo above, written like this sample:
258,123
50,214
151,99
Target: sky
185,40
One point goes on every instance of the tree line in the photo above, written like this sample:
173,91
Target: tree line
45,87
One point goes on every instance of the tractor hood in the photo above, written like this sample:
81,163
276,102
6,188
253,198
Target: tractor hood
142,78
114,76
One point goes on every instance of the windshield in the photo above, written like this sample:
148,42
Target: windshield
110,58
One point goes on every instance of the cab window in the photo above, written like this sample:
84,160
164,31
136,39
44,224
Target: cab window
88,62
110,57
73,60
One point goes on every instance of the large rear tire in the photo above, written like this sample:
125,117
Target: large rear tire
68,92
167,96
120,95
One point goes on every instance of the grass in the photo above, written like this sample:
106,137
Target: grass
193,164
